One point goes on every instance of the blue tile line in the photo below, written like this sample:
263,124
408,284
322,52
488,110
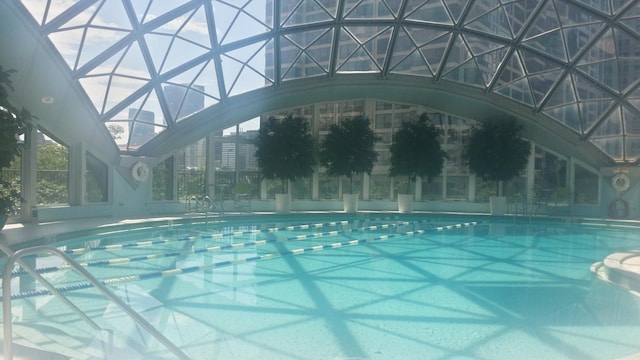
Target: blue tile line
177,271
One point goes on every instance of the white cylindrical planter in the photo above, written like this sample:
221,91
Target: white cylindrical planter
405,203
350,202
498,205
283,203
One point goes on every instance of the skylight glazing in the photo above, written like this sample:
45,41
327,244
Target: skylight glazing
146,65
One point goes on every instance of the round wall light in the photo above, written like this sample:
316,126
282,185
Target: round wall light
47,99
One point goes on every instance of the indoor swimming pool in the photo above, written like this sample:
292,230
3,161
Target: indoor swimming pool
336,286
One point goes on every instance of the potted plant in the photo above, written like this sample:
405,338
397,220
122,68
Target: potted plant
13,123
415,151
348,150
496,151
285,151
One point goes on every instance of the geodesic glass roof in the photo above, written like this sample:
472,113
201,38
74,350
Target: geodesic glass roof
146,65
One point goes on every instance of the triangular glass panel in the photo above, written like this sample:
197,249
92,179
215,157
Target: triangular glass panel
467,73
518,12
592,111
586,90
603,49
320,49
494,23
94,43
572,15
111,14
360,60
480,8
617,4
542,83
518,91
307,12
434,51
611,146
564,93
428,12
412,64
289,57
364,34
179,48
552,43
632,24
614,74
627,46
488,63
369,10
456,8
512,71
602,6
96,89
183,101
578,37
393,5
118,132
631,121
304,66
141,8
423,35
481,45
534,64
547,20
158,8
120,88
201,78
234,23
566,115
635,103
634,98
350,4
37,9
459,54
302,39
245,69
132,63
612,125
379,46
68,44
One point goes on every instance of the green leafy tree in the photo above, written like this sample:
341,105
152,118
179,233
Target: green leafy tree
416,151
349,148
496,150
285,149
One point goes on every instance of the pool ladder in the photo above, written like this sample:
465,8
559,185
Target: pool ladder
6,298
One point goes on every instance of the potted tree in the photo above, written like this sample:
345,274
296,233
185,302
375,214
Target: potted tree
348,150
13,123
285,151
496,151
415,151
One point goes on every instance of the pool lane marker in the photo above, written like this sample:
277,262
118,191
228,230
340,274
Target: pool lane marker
270,256
107,262
79,251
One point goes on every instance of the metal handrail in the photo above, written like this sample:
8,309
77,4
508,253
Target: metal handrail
6,296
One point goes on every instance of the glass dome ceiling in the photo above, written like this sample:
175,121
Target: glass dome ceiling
147,65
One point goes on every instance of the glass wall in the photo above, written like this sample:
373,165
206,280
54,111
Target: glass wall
52,187
550,177
96,180
162,183
585,186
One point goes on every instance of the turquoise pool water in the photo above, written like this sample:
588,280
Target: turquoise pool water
358,287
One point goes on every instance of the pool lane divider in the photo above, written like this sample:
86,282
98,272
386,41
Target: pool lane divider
79,251
124,260
270,256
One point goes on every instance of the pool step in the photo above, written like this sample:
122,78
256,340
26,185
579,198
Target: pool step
621,268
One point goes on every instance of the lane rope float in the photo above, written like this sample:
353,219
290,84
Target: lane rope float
124,260
270,256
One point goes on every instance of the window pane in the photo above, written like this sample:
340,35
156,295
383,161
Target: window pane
585,187
53,172
162,185
97,180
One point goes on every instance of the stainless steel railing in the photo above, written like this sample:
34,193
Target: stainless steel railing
6,298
